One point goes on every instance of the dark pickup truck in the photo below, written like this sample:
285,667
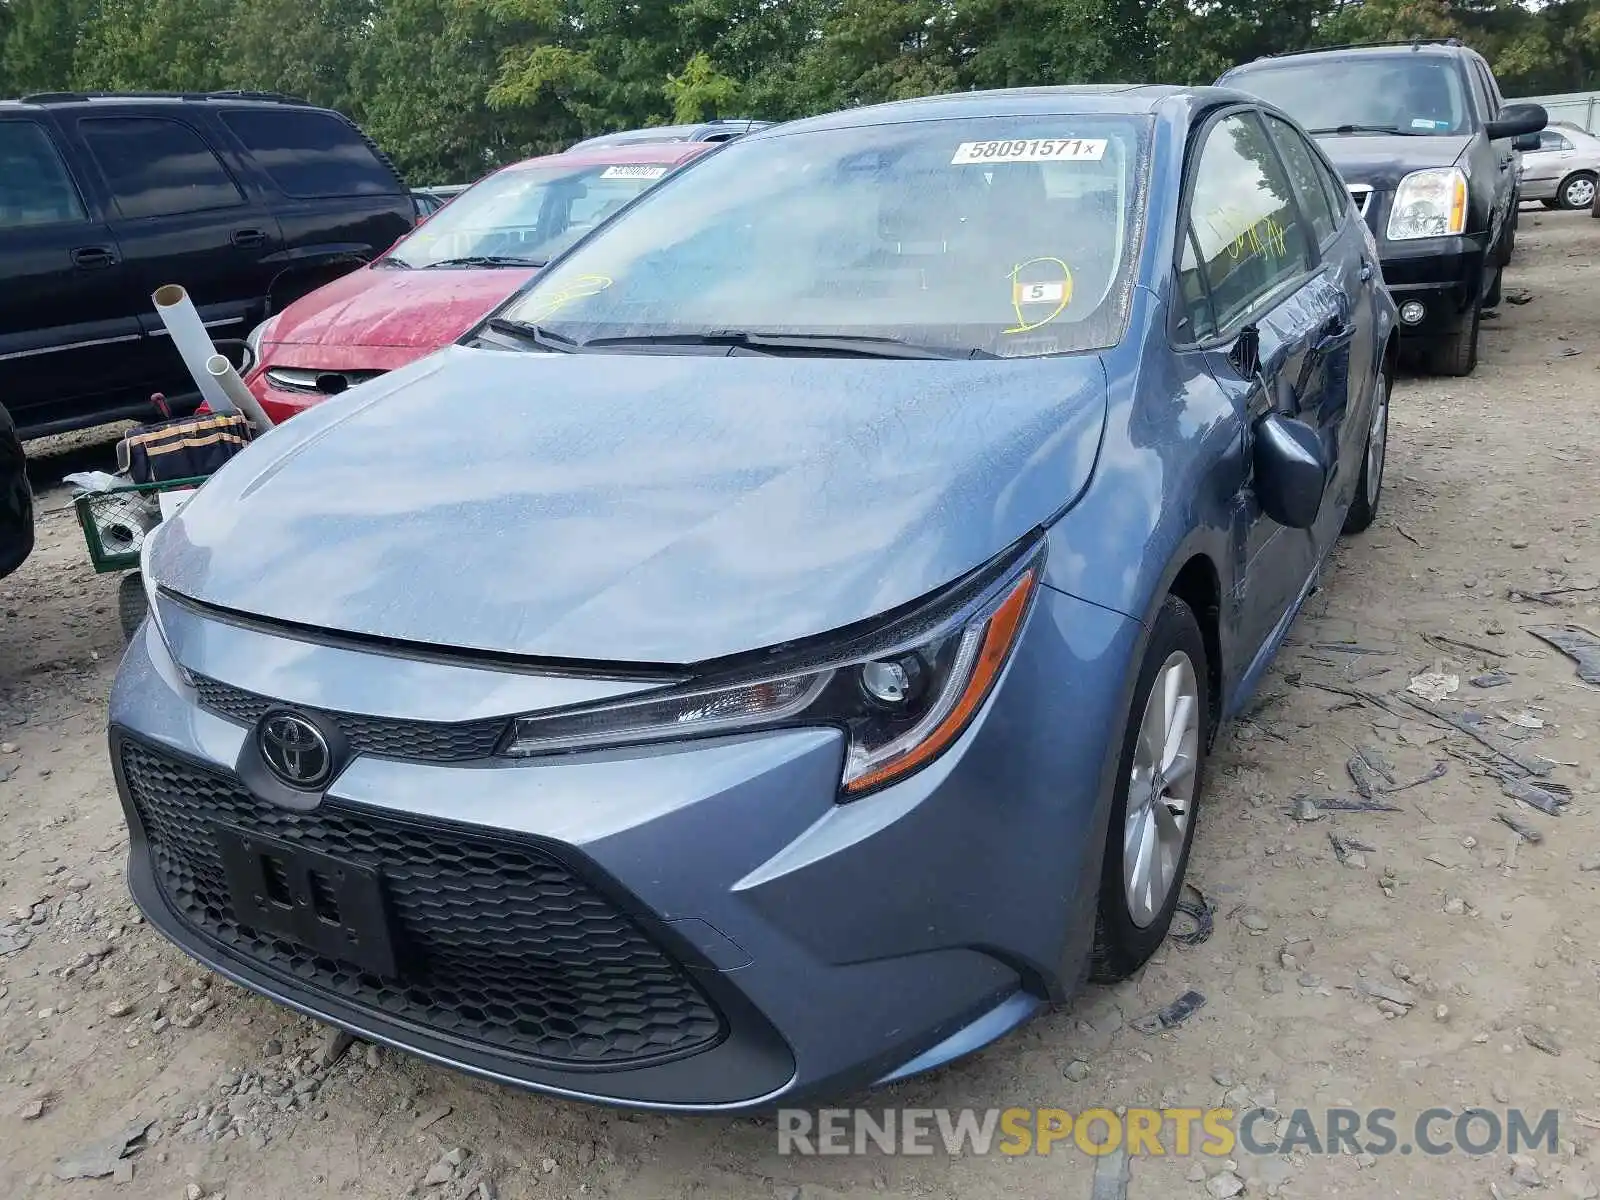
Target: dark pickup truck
1430,151
248,201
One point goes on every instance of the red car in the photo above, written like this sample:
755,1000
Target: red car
438,281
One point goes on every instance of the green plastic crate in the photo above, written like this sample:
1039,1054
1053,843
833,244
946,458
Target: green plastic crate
116,522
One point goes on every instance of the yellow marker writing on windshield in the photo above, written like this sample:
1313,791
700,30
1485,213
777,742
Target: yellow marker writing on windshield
583,285
1050,291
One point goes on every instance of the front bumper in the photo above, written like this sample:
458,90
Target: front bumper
693,927
1445,274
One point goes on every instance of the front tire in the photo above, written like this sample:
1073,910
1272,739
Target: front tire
1369,491
1578,191
1159,781
1457,353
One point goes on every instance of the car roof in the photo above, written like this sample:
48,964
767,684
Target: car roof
1449,48
699,131
641,153
38,100
1137,99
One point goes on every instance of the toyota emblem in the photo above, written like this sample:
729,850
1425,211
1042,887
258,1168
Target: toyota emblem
295,750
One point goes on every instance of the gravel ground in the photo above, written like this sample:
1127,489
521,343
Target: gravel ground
1425,957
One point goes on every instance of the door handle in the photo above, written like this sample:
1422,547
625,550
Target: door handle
1335,336
249,237
94,258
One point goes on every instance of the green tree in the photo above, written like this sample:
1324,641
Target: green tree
701,92
1017,43
422,73
40,40
160,45
302,48
588,65
874,50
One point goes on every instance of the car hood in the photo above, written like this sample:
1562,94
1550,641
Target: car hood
635,508
389,306
1381,161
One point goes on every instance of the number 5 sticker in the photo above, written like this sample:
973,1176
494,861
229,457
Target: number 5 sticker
1037,293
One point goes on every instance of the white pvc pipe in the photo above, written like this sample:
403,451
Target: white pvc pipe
189,335
221,370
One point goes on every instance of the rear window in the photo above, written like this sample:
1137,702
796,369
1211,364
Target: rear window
309,155
1408,93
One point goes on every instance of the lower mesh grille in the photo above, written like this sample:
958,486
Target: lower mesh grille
499,944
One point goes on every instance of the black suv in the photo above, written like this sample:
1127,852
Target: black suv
249,201
1430,151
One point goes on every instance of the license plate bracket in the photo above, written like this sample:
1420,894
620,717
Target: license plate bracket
332,907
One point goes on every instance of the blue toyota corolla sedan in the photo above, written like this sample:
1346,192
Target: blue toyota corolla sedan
778,650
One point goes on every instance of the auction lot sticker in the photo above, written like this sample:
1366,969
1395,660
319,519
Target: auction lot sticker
1030,150
633,172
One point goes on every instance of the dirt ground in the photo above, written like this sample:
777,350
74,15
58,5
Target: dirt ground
1448,962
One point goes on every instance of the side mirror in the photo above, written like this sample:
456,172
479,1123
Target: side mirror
1527,143
1291,471
1516,120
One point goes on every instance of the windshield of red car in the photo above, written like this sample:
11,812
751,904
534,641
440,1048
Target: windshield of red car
525,214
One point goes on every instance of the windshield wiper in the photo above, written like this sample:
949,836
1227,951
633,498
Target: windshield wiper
527,331
398,264
857,344
487,260
1365,129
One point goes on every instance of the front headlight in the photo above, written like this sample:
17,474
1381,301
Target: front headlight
1431,203
901,694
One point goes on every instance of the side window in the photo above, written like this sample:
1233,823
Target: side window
1492,86
35,188
1198,321
158,168
1302,164
1482,92
311,155
1248,230
1338,191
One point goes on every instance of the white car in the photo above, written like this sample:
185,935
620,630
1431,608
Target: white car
1563,171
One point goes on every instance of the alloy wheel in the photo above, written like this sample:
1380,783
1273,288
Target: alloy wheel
1161,789
1580,193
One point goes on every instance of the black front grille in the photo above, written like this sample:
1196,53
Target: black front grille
500,944
421,741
